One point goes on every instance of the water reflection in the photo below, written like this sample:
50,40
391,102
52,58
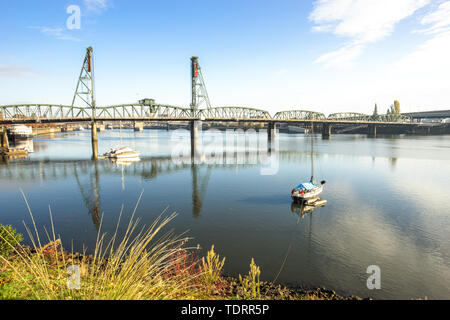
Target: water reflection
380,210
301,209
90,192
26,144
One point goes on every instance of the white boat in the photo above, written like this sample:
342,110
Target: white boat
122,153
308,191
20,131
295,129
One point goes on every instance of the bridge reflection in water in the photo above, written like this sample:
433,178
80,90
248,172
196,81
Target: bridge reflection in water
148,168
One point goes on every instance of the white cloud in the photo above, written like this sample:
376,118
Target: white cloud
422,75
360,22
96,5
439,19
342,57
57,33
14,70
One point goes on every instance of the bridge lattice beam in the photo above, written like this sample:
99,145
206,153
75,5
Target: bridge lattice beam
349,116
234,113
35,112
299,115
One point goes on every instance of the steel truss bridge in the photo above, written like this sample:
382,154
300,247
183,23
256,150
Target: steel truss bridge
49,113
84,108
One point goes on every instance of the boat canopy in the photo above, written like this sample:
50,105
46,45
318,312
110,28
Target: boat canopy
307,186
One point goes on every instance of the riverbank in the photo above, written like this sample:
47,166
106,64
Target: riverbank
135,270
223,288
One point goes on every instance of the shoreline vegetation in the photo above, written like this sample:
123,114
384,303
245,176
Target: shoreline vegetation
143,264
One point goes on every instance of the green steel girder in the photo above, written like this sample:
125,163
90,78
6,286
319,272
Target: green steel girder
391,118
233,113
351,116
34,112
299,115
37,111
125,111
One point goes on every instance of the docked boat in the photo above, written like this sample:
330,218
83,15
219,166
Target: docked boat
122,153
295,129
17,132
308,192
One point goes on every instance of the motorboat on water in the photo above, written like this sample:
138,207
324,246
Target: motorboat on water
122,153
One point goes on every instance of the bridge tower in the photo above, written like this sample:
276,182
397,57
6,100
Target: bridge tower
199,97
85,91
85,85
199,93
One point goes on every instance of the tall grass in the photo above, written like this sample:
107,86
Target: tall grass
250,284
134,266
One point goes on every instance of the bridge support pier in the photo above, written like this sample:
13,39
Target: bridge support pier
372,131
94,140
271,131
326,131
195,126
4,139
139,126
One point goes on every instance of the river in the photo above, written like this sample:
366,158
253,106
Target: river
388,203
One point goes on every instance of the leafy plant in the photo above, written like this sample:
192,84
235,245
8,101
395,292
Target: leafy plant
250,284
9,239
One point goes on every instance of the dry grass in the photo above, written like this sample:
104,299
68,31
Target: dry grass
140,265
143,264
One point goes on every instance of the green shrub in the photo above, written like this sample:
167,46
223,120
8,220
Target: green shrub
9,239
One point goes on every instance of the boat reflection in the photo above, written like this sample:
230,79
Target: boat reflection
301,209
124,162
26,144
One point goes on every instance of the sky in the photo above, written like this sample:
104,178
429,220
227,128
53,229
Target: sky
324,55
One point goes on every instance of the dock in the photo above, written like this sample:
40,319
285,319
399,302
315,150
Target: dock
6,151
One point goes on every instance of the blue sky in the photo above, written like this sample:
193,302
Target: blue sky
326,55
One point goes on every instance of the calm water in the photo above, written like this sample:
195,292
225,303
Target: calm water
388,205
